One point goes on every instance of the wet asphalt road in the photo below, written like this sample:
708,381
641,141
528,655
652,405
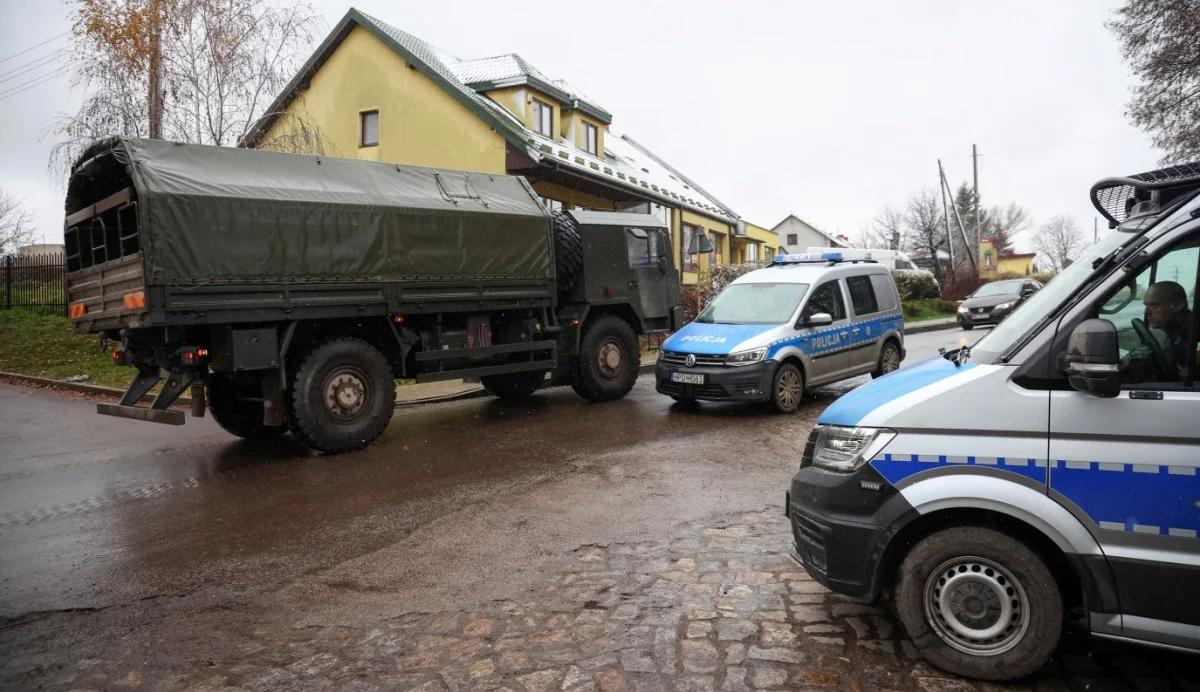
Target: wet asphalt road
108,525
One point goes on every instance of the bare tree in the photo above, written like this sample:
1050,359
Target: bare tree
885,231
926,226
1058,241
222,62
1003,223
1159,41
16,226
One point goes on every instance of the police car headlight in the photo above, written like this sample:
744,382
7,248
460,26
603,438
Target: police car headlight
845,450
1003,306
746,357
963,308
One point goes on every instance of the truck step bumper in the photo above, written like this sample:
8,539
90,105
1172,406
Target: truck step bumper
153,415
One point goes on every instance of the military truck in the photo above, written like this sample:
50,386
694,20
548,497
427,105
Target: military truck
289,292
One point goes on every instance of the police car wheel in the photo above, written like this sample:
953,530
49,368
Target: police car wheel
787,388
979,603
889,360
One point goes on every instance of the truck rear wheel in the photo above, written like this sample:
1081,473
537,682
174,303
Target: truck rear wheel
568,251
517,385
228,401
608,360
979,603
342,396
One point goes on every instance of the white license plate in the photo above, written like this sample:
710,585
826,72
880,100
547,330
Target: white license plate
687,378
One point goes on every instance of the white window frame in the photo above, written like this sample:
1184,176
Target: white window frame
591,139
543,118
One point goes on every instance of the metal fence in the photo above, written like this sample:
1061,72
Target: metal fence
34,282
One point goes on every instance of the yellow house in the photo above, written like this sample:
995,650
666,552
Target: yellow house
994,264
374,92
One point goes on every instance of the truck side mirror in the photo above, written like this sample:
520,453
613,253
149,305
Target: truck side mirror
662,264
819,319
1093,359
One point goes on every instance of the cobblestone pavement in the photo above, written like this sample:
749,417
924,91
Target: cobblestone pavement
719,607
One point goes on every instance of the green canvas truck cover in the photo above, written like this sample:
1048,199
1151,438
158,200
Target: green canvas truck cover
211,214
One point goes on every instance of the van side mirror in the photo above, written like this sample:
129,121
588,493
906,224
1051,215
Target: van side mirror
1028,291
1093,359
662,264
819,319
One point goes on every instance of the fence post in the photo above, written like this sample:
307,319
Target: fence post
8,282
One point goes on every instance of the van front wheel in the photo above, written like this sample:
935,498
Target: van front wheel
979,603
787,388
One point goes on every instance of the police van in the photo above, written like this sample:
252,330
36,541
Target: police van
1046,471
803,321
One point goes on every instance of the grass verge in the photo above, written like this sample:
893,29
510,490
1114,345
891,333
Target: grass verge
928,309
47,346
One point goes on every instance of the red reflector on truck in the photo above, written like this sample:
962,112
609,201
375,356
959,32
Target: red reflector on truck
134,301
77,310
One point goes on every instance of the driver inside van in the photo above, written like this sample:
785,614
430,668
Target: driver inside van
1167,310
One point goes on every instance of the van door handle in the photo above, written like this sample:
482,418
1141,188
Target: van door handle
843,333
1135,394
856,330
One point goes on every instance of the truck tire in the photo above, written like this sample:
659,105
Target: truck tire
342,396
979,603
568,251
608,360
234,413
517,385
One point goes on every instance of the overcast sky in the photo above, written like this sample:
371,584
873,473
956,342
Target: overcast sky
825,110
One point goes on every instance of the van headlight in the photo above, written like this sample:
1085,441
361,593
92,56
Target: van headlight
746,357
1004,306
845,450
963,308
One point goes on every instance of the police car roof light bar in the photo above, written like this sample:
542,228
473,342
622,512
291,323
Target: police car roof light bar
827,258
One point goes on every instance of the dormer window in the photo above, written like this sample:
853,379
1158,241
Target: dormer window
591,139
543,119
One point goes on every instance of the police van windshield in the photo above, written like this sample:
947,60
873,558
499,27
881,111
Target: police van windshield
1005,334
763,303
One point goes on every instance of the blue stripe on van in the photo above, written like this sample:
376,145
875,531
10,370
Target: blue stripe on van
852,407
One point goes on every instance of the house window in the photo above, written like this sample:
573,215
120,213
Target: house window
543,119
690,263
368,128
792,240
591,139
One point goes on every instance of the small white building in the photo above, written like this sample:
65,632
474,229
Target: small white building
796,234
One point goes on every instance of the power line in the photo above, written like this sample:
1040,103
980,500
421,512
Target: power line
23,52
36,64
26,86
1061,144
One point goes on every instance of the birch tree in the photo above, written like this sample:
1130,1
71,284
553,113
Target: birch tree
220,64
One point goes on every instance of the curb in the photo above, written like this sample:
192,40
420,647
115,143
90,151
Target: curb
187,401
78,387
930,326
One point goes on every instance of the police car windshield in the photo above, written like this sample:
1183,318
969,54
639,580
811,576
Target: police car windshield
764,303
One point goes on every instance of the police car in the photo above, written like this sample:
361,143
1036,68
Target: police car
1049,469
805,320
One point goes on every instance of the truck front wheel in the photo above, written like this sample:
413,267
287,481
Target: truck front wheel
342,396
237,407
979,603
517,385
608,360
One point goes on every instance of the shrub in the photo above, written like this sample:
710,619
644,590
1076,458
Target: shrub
915,284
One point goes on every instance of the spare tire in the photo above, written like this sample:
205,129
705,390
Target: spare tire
568,251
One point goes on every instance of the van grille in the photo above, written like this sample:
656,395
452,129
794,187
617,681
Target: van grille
676,358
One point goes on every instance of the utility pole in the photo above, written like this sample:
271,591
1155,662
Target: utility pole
961,229
155,74
945,215
978,206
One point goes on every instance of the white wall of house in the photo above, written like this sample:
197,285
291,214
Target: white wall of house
795,235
